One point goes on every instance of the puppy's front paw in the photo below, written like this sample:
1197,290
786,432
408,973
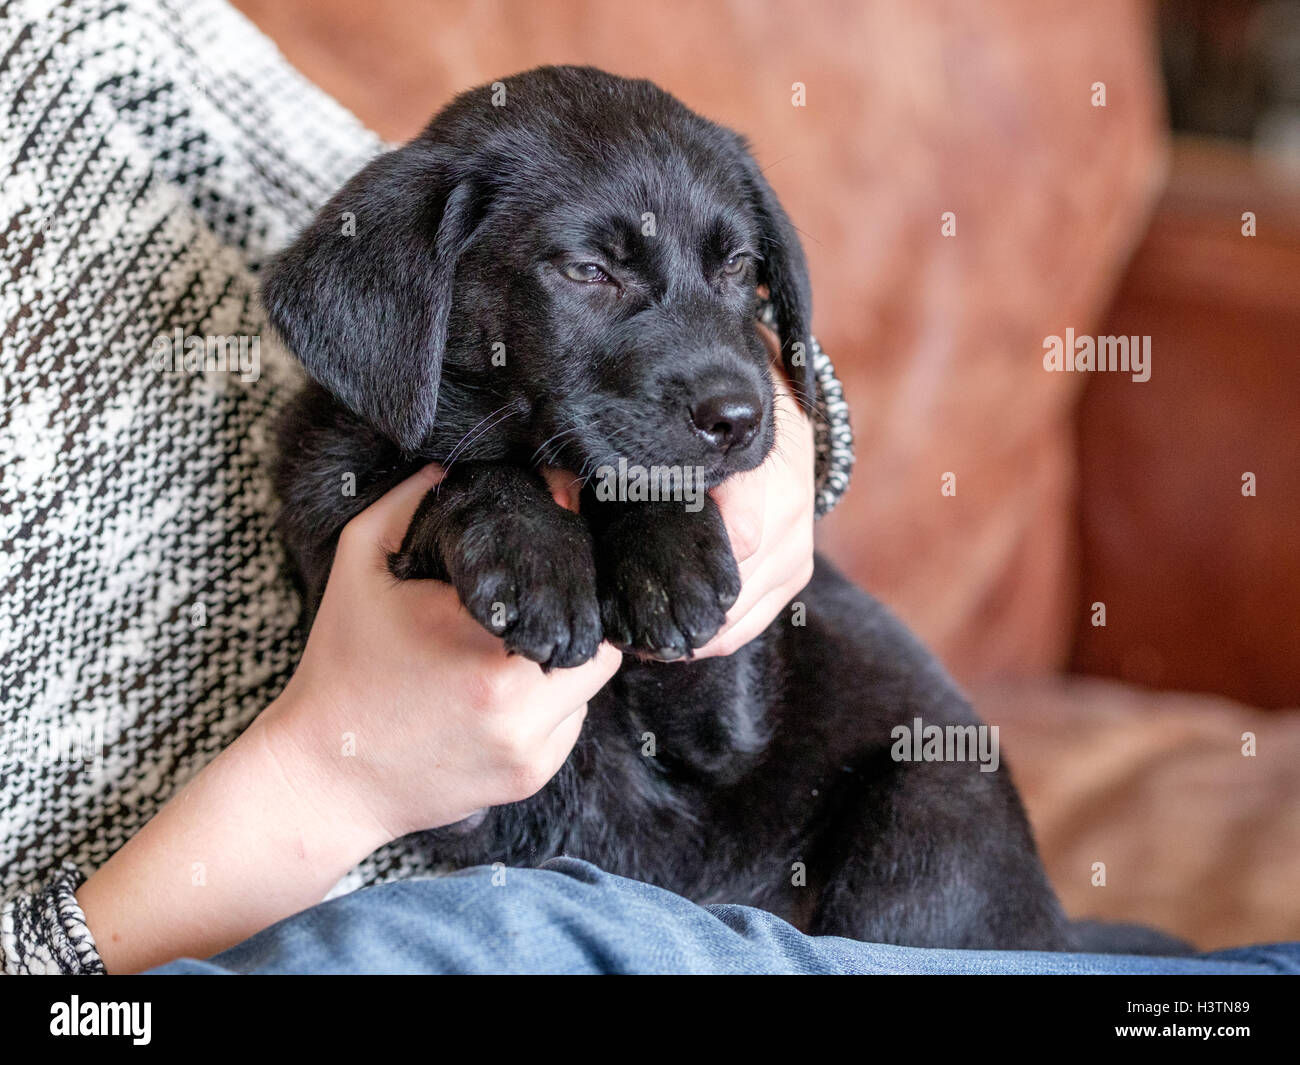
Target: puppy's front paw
666,582
528,578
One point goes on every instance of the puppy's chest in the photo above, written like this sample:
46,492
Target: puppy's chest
658,791
704,722
664,786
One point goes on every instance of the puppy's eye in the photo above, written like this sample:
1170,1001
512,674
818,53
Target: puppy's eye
587,273
735,264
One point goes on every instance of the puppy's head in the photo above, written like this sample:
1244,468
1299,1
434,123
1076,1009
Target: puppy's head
573,260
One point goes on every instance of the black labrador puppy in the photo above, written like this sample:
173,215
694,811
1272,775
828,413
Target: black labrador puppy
566,267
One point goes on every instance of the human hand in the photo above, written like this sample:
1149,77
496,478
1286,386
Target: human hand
769,514
404,710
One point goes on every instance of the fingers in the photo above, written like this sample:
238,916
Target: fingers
516,681
565,689
565,487
762,597
743,502
551,708
533,768
769,515
562,738
736,634
441,613
580,683
787,471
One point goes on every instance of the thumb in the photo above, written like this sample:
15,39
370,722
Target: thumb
386,520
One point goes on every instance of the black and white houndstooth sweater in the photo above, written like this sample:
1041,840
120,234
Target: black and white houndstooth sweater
153,153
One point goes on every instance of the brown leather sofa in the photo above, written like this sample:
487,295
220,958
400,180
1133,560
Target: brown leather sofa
1071,488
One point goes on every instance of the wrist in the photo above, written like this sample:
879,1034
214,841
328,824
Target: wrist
317,768
253,838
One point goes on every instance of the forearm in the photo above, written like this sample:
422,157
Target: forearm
242,845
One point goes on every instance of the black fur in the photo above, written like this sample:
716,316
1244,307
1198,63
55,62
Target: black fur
774,756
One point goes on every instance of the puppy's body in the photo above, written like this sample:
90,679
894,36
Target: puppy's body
575,282
777,759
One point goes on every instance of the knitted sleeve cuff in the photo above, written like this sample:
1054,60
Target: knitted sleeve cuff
45,932
833,435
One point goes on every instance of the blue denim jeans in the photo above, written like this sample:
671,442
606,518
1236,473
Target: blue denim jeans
570,917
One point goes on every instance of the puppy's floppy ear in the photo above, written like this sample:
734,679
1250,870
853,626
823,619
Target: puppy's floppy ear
362,297
785,273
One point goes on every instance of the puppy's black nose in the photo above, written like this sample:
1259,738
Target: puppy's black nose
726,420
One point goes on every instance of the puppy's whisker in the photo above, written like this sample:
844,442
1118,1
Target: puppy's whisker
614,433
477,432
591,466
775,162
596,466
780,453
551,456
806,406
459,443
